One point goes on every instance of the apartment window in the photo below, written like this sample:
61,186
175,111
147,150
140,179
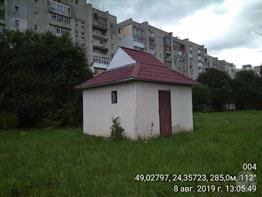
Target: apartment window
58,30
36,27
137,32
76,1
59,8
36,1
16,10
113,96
59,18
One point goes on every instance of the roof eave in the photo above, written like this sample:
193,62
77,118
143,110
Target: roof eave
165,82
83,87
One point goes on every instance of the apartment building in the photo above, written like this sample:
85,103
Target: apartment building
247,67
94,30
258,70
214,62
189,57
183,56
144,37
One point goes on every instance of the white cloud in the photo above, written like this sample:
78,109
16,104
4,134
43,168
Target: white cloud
207,24
241,56
224,26
222,29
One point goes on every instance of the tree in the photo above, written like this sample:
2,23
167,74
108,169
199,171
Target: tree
38,76
247,90
219,83
201,98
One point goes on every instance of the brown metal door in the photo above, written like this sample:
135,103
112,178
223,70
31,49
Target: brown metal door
164,112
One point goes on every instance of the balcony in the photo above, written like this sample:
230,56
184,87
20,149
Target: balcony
100,36
101,60
100,46
99,22
100,25
59,8
138,42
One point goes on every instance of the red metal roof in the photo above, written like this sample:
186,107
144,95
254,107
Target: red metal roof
146,68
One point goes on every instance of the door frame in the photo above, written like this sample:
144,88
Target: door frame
169,131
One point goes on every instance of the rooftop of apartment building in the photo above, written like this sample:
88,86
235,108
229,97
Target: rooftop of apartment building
131,21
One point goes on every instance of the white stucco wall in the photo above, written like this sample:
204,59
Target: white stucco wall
138,108
121,58
147,109
98,109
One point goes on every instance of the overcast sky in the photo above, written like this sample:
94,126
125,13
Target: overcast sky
230,29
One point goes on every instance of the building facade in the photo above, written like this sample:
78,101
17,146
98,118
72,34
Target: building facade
144,37
184,56
94,30
258,70
222,65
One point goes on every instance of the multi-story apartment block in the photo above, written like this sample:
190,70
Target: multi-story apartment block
183,56
180,56
228,68
214,62
104,38
95,31
258,70
247,67
145,37
189,57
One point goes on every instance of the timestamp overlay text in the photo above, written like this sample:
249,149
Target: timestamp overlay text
244,181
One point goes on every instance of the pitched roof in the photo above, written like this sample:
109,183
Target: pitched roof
146,68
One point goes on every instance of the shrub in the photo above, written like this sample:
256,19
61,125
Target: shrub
39,84
116,129
201,98
220,85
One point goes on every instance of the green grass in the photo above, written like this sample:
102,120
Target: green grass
65,162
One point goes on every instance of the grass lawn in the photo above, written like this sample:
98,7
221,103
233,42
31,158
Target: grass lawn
65,162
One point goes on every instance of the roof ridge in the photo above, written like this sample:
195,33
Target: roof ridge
137,51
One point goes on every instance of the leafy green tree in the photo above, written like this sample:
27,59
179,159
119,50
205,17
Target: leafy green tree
38,76
219,83
247,90
201,98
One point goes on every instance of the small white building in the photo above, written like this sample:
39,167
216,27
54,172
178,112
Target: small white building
150,98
